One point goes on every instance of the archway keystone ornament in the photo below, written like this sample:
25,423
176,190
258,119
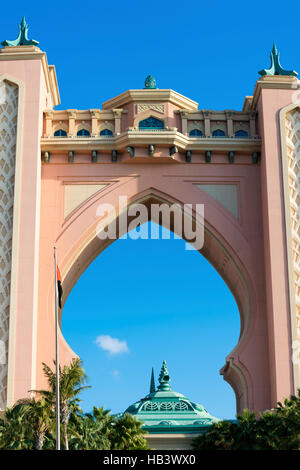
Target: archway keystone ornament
53,185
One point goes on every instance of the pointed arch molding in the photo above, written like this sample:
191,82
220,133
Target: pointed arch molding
218,253
11,126
289,118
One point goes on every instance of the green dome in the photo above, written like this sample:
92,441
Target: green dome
165,411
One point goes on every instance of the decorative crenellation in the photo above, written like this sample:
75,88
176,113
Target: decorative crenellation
292,125
8,132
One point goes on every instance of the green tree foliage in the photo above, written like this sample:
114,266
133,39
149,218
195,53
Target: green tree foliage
15,433
38,416
30,423
27,425
127,434
278,429
90,431
71,382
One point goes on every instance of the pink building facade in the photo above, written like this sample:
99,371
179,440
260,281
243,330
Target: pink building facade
149,145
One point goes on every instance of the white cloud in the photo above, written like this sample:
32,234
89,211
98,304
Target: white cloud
112,345
115,373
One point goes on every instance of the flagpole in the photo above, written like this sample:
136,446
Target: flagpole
57,398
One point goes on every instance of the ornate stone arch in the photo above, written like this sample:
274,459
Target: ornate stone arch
64,126
244,126
199,125
223,258
83,126
107,125
222,126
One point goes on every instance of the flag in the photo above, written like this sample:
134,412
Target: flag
59,286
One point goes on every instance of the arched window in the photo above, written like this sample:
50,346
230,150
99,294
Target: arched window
218,133
60,133
106,132
83,133
196,133
151,123
241,134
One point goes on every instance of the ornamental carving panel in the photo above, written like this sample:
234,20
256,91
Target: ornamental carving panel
292,126
160,108
167,406
8,132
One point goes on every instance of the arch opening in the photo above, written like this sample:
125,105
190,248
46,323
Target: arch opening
156,320
218,255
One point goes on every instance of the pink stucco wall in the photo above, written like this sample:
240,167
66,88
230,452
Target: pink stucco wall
254,244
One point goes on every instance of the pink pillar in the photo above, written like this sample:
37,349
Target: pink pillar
28,65
271,100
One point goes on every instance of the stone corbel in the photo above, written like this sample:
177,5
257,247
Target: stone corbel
207,156
188,156
231,156
173,150
47,157
151,150
130,150
71,156
114,155
254,157
94,156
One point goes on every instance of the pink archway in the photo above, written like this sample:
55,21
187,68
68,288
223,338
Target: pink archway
217,250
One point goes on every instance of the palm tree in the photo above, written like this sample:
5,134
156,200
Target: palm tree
127,434
90,431
71,380
15,434
38,414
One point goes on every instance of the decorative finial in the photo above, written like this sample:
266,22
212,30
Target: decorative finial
152,382
150,82
276,68
164,378
22,39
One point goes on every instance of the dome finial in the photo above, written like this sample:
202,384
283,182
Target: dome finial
152,382
164,377
150,82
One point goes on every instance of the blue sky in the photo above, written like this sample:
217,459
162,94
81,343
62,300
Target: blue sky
159,300
210,52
